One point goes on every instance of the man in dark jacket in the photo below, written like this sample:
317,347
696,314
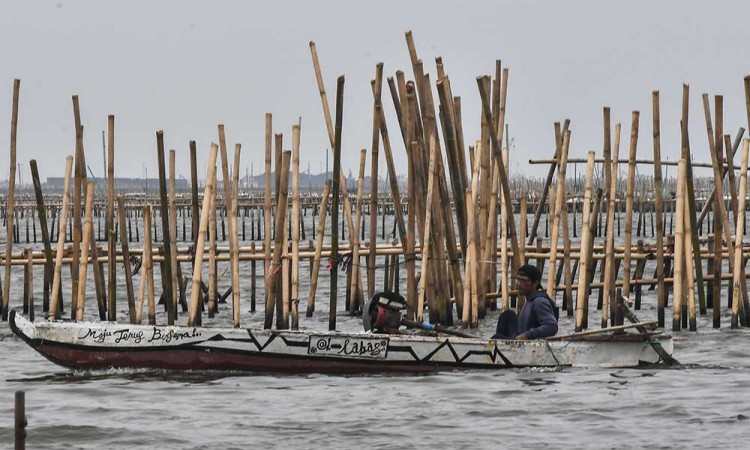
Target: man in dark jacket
537,319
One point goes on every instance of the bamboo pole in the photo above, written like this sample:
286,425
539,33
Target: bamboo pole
428,230
331,138
29,282
411,223
85,251
740,228
582,296
373,236
629,203
79,173
356,298
169,294
148,266
335,202
689,273
125,258
496,138
212,304
228,200
11,198
284,281
659,211
42,215
234,236
731,149
267,210
207,194
524,224
717,263
63,223
470,308
294,306
504,212
278,246
142,283
173,231
691,195
318,248
560,198
111,235
679,245
195,212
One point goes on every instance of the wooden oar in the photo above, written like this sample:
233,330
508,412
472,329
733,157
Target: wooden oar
430,327
571,336
641,327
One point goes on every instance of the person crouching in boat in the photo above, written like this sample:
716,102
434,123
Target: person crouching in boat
537,319
382,313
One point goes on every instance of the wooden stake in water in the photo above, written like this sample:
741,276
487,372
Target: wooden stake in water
278,247
357,299
235,256
85,251
29,282
11,198
169,294
506,211
629,203
111,236
79,174
689,273
319,247
126,258
470,310
147,279
20,420
227,182
582,296
49,265
267,210
335,204
736,295
560,198
211,304
679,247
63,223
331,137
659,211
207,194
294,304
428,227
173,231
194,214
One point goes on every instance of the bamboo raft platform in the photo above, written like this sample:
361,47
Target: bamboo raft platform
457,229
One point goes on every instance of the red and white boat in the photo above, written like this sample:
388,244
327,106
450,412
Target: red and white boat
102,345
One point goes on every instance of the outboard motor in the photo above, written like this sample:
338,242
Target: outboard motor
382,312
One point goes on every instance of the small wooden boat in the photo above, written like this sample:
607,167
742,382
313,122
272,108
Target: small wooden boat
101,345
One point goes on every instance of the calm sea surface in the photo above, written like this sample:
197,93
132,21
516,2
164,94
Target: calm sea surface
705,403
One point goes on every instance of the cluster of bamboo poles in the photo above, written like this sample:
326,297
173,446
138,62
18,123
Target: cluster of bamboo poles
444,217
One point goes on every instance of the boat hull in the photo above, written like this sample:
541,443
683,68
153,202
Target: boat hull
102,345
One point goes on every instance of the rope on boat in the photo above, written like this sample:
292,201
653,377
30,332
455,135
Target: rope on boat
553,353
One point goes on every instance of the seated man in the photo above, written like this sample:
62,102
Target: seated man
537,319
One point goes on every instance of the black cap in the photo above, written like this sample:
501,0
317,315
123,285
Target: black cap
530,272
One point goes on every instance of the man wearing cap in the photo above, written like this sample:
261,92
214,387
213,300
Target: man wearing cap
537,319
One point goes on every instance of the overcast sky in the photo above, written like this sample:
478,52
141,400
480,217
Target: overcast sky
186,66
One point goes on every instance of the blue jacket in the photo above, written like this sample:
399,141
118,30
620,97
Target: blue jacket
537,318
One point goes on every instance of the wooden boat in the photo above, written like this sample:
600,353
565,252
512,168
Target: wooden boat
101,345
